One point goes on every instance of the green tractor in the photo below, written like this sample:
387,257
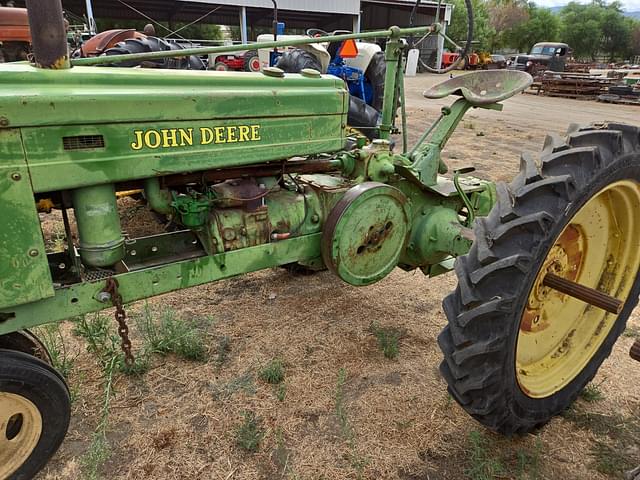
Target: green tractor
260,170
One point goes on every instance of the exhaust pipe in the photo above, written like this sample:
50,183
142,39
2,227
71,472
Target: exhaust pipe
48,34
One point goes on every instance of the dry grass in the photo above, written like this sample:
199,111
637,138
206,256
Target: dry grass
348,411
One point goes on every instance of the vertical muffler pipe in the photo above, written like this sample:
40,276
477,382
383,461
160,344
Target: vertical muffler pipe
99,230
48,34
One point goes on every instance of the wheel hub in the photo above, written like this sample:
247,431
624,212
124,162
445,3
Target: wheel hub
20,430
599,247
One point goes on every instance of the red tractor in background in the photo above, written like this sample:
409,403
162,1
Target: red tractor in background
15,37
241,62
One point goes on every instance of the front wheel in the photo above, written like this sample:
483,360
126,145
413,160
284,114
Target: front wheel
517,352
34,414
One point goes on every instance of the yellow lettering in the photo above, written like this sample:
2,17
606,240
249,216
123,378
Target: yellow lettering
186,136
244,133
255,133
169,137
137,145
206,135
152,139
219,135
231,134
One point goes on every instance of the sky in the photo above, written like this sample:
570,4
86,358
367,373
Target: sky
629,5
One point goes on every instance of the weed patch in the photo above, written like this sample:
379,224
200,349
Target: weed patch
388,339
104,344
357,461
518,464
51,337
610,460
272,372
591,393
222,349
171,334
615,433
249,433
482,464
281,392
631,332
244,383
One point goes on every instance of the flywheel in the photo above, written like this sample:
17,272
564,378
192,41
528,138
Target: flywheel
365,233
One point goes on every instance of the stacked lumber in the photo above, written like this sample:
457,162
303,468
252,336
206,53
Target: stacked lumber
574,85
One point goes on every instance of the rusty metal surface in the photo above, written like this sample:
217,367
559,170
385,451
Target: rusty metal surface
120,315
484,87
48,34
14,25
586,294
635,350
107,39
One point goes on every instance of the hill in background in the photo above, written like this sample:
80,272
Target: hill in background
626,14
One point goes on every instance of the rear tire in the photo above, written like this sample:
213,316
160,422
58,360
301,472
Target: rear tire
251,61
154,44
375,75
490,364
293,61
34,414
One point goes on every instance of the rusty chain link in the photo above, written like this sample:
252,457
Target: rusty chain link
121,317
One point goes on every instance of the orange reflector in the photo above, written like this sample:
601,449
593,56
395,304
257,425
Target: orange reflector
349,49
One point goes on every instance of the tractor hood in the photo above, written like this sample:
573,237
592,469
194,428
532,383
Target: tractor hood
31,96
99,123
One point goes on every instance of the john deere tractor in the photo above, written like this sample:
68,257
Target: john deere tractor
259,170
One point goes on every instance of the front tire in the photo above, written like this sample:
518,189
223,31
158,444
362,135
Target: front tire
34,414
515,352
375,74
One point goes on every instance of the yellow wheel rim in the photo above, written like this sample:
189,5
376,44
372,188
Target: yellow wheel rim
599,248
20,430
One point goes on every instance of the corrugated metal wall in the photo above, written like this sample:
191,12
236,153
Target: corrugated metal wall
350,7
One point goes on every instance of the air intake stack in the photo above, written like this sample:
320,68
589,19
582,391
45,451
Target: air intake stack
48,34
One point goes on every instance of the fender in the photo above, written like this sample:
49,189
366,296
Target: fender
366,51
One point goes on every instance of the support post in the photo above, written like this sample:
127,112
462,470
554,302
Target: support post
440,40
356,23
92,21
243,25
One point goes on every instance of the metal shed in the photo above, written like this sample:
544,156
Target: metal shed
329,15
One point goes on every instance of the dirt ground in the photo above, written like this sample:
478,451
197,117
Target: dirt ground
345,410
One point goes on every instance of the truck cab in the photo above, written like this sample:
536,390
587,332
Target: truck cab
543,55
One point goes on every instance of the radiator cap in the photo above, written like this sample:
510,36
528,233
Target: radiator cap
273,72
310,73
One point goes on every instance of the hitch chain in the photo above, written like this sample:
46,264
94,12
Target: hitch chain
121,317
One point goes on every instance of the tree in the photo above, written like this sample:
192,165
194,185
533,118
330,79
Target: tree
635,38
542,26
597,28
581,28
482,29
505,16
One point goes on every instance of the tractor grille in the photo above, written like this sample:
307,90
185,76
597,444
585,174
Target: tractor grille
83,142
